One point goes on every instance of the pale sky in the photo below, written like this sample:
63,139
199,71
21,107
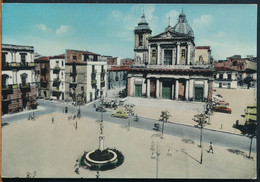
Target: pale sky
108,29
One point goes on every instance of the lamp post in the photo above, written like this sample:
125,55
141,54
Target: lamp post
201,120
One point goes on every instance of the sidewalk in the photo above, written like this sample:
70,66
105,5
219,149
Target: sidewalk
182,111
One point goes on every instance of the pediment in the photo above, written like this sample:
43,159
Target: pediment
167,35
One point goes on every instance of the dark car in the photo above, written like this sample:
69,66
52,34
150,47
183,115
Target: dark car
100,109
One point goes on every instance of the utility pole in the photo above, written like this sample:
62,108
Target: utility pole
157,160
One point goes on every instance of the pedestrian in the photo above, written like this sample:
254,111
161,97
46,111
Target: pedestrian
76,125
97,175
52,120
210,148
94,105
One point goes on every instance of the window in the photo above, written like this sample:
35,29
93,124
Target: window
220,85
95,58
61,75
85,57
167,57
74,57
57,63
229,76
82,88
141,40
221,76
4,80
23,58
62,63
102,68
23,78
183,53
93,68
215,76
3,58
154,53
234,63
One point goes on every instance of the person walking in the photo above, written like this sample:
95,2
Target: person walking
210,148
52,119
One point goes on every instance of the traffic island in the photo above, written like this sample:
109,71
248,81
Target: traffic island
102,160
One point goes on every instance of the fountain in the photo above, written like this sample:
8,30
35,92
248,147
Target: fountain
102,159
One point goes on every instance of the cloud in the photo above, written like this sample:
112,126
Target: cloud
117,14
63,29
42,27
222,49
203,20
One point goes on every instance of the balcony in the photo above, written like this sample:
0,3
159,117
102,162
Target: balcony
94,81
25,87
73,85
56,80
55,89
7,89
56,69
102,83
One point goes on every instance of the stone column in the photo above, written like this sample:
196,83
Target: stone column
101,142
132,86
148,85
191,88
188,54
162,58
158,54
187,90
157,88
178,52
176,89
206,88
173,61
149,53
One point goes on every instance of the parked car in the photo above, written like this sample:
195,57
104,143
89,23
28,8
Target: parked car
223,108
101,109
222,102
120,114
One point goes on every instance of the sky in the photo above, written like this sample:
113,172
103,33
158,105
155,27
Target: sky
108,29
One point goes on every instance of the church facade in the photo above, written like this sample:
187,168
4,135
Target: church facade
165,67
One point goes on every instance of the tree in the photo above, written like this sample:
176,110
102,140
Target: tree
164,117
201,120
130,112
247,80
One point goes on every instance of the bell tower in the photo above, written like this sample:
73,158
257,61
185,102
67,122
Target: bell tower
142,32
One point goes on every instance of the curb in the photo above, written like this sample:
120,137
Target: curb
194,127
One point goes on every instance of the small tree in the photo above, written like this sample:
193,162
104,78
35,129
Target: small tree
201,120
129,108
164,117
247,80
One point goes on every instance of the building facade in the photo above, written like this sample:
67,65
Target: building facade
234,72
57,77
43,77
164,65
18,78
85,76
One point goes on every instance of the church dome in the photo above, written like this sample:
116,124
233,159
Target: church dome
182,27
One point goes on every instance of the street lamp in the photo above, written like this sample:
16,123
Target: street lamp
130,112
201,120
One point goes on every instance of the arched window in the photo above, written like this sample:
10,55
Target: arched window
4,80
24,78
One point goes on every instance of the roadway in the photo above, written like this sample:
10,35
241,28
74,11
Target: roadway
229,140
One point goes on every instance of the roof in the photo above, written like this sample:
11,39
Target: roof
83,52
119,68
202,47
143,25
